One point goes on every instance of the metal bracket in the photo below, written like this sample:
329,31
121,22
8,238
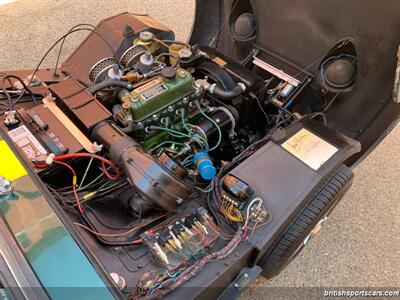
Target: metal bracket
241,282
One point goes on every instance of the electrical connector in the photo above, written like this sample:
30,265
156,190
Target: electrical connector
176,240
161,253
11,118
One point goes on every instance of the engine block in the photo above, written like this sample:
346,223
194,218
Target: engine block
160,103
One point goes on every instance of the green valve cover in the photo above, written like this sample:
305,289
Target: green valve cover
158,94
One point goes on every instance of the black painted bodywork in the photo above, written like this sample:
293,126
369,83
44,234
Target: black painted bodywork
295,35
301,33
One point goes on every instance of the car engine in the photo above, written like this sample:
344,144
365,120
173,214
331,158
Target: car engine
163,148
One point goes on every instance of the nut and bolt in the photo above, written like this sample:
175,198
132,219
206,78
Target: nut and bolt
181,73
185,53
146,36
134,98
119,280
5,186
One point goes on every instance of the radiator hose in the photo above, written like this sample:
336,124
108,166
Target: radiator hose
109,83
227,94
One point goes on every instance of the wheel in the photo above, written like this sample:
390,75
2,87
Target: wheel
307,222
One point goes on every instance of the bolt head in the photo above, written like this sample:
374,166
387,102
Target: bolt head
185,53
146,36
181,73
5,186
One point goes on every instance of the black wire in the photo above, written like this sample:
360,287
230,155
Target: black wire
252,95
9,98
10,102
176,42
331,102
165,54
67,34
312,116
219,220
62,44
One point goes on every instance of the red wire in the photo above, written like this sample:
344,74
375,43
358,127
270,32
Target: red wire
41,165
73,184
108,175
103,160
77,199
244,230
67,166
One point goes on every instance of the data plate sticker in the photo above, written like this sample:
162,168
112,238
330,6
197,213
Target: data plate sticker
27,142
309,148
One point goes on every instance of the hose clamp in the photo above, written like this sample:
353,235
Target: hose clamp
242,85
231,116
212,88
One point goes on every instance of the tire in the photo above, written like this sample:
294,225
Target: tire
322,202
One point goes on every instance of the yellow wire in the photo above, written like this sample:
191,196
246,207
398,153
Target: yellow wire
231,212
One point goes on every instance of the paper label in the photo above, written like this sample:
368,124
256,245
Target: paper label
27,142
309,148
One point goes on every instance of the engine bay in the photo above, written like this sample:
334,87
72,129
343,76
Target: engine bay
166,156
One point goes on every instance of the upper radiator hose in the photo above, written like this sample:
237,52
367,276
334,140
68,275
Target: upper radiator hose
227,94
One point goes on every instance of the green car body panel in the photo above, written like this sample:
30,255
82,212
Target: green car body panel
59,263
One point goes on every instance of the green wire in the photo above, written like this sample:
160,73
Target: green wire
184,123
215,124
187,159
190,132
181,134
167,142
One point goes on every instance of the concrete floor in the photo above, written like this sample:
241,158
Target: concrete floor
358,247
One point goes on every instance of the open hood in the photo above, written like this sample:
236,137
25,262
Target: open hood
298,37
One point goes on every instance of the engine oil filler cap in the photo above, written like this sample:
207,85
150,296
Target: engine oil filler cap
204,165
168,73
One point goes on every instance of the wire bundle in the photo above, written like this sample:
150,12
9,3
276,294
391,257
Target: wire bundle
164,288
230,211
60,161
10,93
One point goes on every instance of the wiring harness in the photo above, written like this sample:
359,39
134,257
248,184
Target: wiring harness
59,160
